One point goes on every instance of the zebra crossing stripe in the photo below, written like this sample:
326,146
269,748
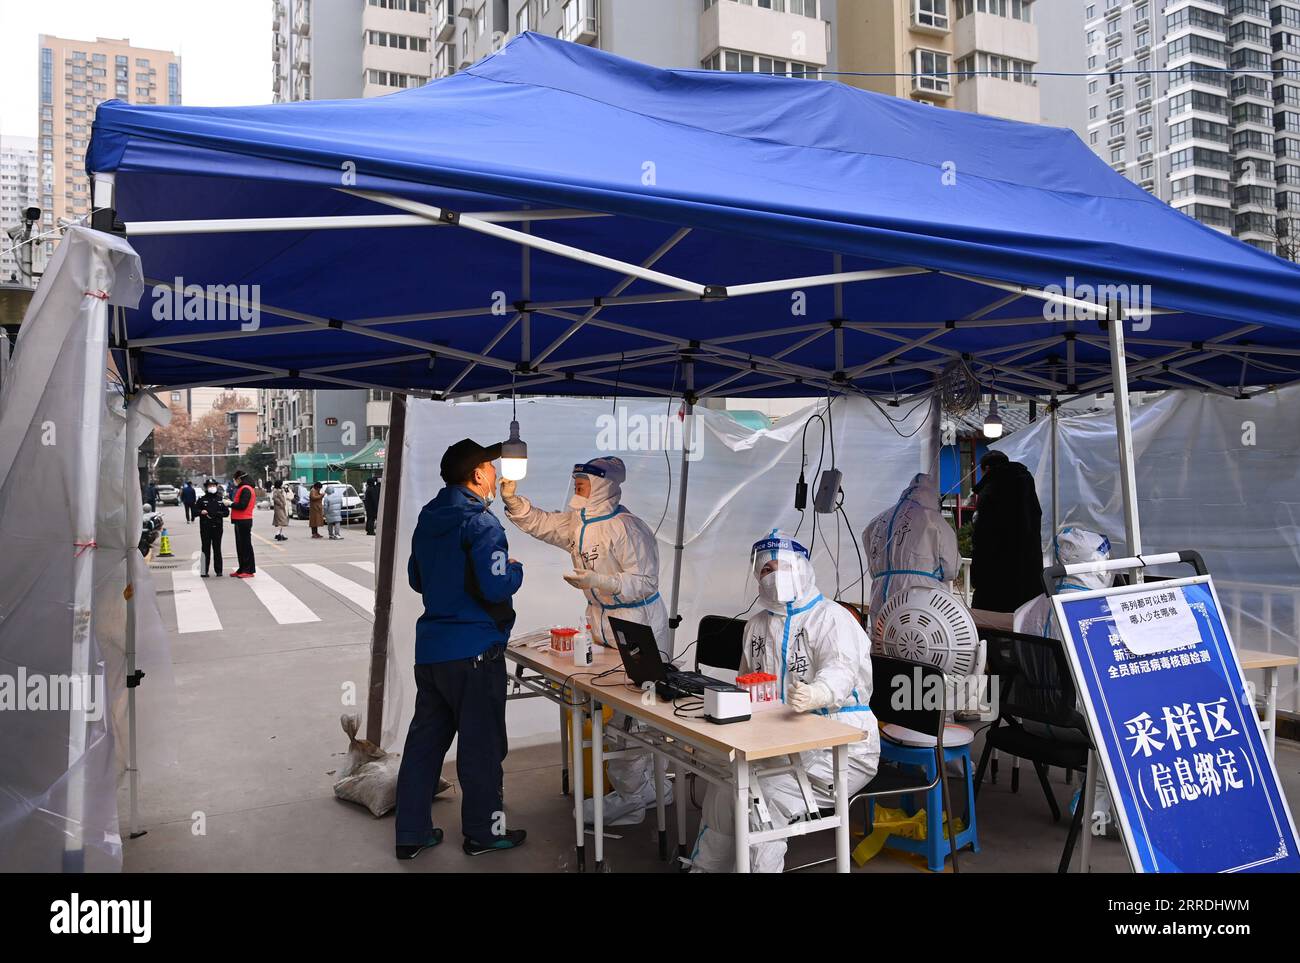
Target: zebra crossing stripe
285,607
350,590
194,609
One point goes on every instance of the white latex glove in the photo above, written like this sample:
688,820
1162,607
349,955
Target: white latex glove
512,501
807,696
593,581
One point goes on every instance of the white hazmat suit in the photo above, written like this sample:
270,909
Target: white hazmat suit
1071,546
616,563
910,545
822,661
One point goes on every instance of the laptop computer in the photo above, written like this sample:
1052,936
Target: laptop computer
643,663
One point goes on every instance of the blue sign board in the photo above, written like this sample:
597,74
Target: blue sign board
1174,724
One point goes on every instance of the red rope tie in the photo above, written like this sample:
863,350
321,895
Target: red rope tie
101,294
82,546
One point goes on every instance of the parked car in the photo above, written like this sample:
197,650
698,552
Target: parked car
168,495
354,510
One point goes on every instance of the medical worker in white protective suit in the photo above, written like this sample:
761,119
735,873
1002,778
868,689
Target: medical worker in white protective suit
1071,546
910,545
822,660
616,566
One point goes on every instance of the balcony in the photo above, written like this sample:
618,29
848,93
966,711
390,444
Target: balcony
927,21
580,22
464,8
445,29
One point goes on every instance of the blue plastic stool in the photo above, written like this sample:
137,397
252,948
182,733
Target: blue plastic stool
935,846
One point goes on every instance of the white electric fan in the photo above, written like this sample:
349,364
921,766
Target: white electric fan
929,625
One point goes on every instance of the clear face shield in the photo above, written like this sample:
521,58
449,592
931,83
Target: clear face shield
579,488
780,567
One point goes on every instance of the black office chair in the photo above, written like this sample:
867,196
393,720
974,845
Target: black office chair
892,780
1035,686
720,642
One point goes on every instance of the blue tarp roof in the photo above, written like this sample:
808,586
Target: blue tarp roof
774,176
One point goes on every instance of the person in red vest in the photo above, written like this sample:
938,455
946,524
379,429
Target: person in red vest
241,519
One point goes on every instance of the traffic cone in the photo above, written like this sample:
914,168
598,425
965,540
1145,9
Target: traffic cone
165,545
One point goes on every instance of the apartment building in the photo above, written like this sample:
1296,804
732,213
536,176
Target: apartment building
789,37
19,190
972,55
76,76
1198,101
336,49
297,420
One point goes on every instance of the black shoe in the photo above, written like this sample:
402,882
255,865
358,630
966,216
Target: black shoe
205,574
410,852
511,840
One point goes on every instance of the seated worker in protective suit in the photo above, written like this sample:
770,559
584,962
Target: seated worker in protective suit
910,545
822,659
1071,546
616,566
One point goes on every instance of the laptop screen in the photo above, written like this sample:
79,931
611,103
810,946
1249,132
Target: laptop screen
636,644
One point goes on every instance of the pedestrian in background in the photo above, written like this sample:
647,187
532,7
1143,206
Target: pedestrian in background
316,512
334,510
151,494
372,503
210,509
188,497
241,519
280,518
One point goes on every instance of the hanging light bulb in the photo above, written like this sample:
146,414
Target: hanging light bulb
993,423
514,455
514,452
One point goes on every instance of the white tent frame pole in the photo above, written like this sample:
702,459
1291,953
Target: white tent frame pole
679,542
337,222
545,245
617,290
1124,436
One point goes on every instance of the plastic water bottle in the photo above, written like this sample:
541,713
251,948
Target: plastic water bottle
582,649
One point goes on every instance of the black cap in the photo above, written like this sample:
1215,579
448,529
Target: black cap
993,457
460,460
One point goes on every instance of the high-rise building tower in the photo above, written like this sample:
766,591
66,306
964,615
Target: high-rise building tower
76,76
1198,101
19,190
337,49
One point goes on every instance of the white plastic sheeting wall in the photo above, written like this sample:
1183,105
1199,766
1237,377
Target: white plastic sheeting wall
1214,474
58,771
741,486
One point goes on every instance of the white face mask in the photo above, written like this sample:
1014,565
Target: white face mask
578,502
777,586
212,491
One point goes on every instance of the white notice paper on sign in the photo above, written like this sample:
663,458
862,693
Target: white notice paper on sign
1154,621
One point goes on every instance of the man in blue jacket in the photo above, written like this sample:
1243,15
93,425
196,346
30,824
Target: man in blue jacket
460,565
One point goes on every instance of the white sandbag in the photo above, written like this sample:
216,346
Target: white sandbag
369,776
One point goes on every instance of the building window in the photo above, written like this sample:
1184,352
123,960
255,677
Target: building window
931,13
931,71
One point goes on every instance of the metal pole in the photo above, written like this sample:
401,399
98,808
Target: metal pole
388,516
130,541
1124,435
1056,473
680,542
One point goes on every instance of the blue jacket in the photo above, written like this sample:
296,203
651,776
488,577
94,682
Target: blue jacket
460,566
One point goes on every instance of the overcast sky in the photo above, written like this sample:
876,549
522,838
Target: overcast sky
225,47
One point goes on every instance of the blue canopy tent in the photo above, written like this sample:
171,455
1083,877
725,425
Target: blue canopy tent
558,220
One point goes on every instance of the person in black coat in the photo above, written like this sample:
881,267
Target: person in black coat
188,497
1006,550
371,499
210,509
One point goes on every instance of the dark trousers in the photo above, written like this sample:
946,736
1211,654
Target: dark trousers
370,523
210,539
465,698
189,512
244,544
